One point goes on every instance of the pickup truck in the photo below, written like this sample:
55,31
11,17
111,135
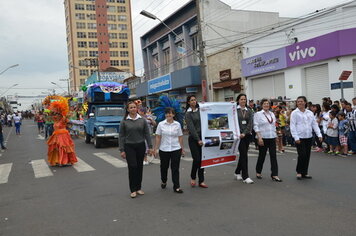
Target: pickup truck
106,109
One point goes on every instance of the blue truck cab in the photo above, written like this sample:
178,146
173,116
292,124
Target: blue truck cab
106,109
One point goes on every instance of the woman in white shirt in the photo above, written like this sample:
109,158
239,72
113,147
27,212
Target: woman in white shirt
169,141
265,128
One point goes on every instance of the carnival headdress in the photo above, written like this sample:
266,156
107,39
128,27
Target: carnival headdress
60,106
164,102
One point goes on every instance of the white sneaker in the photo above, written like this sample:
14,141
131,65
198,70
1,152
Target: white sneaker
238,176
145,163
248,181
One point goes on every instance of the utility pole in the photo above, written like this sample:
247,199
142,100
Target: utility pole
203,66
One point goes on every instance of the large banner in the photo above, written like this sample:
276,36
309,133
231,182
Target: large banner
220,133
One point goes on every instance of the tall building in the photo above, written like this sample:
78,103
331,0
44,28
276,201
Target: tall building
99,36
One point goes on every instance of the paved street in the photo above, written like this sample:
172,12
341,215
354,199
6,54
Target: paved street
92,197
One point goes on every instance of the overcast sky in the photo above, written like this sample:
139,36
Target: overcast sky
32,34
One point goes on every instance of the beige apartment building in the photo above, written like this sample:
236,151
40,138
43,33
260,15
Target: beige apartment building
99,36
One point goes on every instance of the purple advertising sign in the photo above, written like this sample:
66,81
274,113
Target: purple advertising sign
266,62
335,44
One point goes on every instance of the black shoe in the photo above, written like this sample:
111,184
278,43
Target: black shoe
163,185
178,190
259,176
306,177
276,179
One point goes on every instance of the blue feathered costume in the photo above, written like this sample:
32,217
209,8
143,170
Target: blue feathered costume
164,102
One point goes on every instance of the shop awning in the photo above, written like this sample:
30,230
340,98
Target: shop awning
226,84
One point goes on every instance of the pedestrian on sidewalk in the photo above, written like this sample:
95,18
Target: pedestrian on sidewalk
343,129
265,128
333,134
1,138
17,122
351,117
192,119
133,134
302,125
245,117
169,142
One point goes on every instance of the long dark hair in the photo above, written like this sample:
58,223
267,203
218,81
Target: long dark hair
127,107
187,106
239,96
318,109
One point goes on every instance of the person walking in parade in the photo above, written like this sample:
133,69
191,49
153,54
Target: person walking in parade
265,128
245,117
133,134
17,122
302,125
169,142
192,119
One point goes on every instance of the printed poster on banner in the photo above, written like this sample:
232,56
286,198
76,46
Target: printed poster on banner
220,133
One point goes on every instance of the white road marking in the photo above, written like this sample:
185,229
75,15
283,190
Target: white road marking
41,169
5,170
82,166
111,160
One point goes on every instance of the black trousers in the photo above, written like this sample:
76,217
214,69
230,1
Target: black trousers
303,150
242,165
174,158
195,150
270,145
134,156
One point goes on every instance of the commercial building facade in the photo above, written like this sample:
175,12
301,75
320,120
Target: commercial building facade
99,36
315,54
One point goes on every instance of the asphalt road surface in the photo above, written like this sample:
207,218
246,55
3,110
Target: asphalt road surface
92,197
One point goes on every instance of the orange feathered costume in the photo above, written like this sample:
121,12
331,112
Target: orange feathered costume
60,145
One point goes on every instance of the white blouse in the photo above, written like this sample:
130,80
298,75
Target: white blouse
169,135
265,124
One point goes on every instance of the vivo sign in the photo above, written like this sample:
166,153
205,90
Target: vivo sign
335,44
302,53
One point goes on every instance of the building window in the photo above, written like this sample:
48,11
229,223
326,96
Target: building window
110,0
79,6
166,61
114,63
113,45
82,44
125,63
112,35
91,16
122,26
120,1
80,25
93,53
124,45
124,54
93,44
122,35
82,53
83,63
122,18
111,18
111,9
90,7
79,16
121,9
112,27
81,35
91,25
92,35
114,54
83,72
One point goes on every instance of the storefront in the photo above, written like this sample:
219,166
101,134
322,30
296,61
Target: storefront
311,68
178,84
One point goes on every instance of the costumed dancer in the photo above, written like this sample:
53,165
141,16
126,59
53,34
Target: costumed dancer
61,149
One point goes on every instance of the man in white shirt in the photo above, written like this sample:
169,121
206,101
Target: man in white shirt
354,103
302,124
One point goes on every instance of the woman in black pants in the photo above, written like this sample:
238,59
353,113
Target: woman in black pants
245,116
192,119
169,141
133,133
265,126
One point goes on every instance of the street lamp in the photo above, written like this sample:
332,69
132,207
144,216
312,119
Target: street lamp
8,89
8,68
58,86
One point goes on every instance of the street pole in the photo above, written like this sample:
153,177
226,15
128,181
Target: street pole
203,67
342,89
